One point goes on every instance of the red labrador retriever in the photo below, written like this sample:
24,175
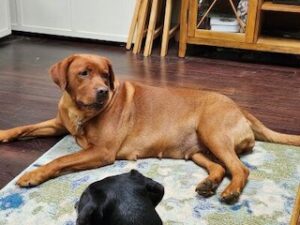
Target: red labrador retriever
125,120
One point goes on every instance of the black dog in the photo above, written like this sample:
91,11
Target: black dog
126,199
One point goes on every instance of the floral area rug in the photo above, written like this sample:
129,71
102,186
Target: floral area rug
268,198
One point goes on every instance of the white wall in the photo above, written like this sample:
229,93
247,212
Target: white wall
97,19
4,18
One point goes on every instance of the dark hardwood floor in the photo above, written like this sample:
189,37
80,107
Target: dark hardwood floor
27,94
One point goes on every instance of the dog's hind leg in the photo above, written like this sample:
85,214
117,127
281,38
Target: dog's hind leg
222,146
216,173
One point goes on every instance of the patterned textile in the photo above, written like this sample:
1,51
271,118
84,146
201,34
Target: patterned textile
242,10
267,199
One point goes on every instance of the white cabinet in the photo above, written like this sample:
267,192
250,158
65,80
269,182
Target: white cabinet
97,19
4,18
105,19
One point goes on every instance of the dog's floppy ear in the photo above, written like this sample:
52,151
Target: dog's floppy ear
86,213
90,209
59,71
155,191
134,172
111,76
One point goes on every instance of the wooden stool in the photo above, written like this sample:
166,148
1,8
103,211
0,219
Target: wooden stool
167,32
139,22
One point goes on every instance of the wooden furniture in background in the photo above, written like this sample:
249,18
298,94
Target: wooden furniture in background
141,23
168,32
133,24
153,31
149,26
254,37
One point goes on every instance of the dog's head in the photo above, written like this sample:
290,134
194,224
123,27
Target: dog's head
89,80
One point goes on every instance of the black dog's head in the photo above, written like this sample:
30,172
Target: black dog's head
110,200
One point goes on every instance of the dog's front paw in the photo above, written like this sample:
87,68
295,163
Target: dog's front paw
5,136
33,178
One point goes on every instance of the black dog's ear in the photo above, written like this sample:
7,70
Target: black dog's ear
137,175
91,207
85,214
134,172
155,191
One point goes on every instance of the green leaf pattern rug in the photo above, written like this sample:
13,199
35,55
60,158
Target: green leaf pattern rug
268,198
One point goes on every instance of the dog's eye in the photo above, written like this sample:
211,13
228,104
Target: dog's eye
105,75
76,205
84,73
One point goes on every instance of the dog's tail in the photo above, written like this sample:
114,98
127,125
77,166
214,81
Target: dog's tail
262,133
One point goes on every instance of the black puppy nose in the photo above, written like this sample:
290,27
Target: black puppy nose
102,92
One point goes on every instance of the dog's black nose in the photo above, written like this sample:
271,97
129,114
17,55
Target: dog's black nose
102,92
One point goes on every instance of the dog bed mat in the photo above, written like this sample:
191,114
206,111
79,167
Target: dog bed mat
267,199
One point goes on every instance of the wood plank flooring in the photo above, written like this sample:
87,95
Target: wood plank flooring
27,94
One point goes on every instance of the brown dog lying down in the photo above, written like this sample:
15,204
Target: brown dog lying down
124,120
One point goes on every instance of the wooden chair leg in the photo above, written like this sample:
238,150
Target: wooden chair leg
167,24
141,26
151,27
183,28
176,36
159,29
133,23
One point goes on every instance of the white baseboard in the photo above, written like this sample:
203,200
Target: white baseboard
71,33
